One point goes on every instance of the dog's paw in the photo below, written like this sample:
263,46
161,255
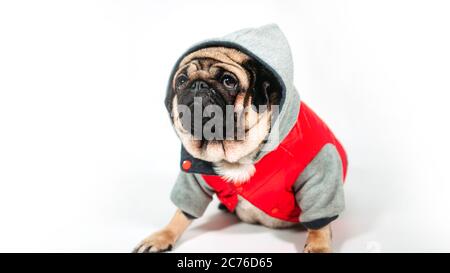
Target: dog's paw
318,241
160,241
317,247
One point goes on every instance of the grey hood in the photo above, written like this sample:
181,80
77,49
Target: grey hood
269,46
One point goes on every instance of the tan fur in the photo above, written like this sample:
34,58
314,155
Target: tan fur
221,54
205,62
318,241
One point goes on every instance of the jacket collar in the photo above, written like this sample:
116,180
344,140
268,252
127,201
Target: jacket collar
190,164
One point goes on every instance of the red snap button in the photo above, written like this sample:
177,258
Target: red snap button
186,165
274,210
239,189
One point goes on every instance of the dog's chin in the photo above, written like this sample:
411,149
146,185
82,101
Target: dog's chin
215,151
230,151
220,151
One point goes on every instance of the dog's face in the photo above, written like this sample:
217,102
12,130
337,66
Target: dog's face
221,104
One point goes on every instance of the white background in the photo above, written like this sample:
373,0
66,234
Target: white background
88,156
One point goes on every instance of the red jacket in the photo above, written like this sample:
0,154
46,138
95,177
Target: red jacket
271,187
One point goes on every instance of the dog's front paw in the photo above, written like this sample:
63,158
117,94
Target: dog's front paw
318,241
158,242
317,247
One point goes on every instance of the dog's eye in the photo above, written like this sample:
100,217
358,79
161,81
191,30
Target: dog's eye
181,80
229,81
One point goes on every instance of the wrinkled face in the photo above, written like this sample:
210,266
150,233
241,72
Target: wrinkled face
221,104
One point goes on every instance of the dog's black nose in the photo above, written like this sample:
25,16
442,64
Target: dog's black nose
199,85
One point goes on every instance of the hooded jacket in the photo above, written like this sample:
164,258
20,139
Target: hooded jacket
301,168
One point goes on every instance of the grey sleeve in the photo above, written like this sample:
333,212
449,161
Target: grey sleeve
319,189
191,194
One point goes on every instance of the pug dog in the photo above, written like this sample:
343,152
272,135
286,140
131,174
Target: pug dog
248,139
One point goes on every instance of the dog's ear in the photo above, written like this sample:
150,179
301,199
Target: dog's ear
265,89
